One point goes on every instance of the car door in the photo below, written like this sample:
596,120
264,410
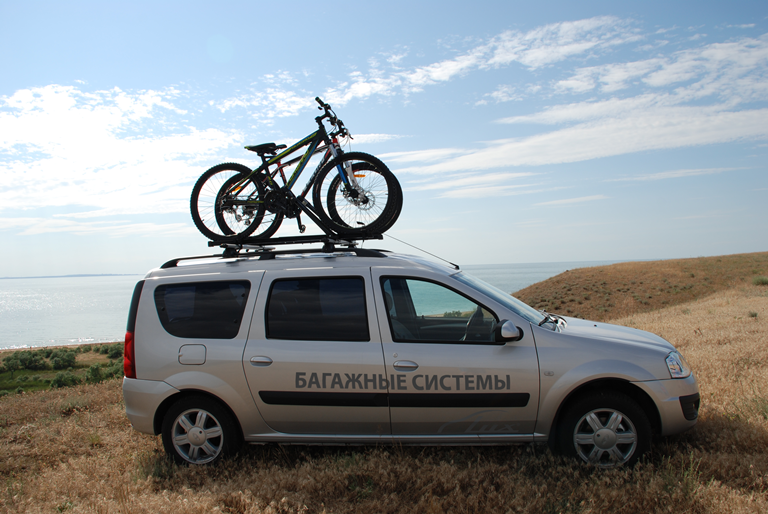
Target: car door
448,378
313,359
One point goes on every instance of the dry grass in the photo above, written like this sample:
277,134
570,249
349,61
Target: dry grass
73,450
608,292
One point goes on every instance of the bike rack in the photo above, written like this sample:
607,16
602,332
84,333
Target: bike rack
265,248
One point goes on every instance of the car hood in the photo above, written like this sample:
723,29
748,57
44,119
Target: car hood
597,330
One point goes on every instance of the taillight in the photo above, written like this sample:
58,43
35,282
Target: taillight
129,353
129,357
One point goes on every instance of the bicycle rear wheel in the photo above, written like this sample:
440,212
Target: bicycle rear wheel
250,219
371,209
204,195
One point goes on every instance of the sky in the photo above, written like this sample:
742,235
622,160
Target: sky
520,132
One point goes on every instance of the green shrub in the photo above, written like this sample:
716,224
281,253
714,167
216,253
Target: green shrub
62,359
87,348
31,360
94,375
12,363
114,370
64,379
19,390
4,393
760,281
115,351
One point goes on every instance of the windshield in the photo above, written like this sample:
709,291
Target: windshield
507,300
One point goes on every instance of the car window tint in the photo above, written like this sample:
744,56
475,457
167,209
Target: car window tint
202,310
315,309
424,311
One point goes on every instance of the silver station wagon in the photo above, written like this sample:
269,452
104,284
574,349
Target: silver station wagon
361,346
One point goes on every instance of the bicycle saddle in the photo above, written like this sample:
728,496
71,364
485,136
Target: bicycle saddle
266,148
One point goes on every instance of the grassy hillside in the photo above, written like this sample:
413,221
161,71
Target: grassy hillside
72,449
608,292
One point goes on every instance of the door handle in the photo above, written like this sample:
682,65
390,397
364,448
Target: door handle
405,366
261,361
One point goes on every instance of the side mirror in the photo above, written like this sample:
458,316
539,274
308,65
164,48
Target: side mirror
505,331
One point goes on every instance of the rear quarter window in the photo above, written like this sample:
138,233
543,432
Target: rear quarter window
202,310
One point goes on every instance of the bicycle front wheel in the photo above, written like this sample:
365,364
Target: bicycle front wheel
371,208
242,210
204,196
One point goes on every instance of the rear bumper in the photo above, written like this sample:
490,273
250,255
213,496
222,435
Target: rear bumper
677,401
142,398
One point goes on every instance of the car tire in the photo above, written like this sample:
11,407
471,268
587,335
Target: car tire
199,430
606,429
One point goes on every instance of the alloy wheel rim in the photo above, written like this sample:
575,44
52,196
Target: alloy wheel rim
605,438
197,436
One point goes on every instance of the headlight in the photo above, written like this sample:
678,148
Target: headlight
678,366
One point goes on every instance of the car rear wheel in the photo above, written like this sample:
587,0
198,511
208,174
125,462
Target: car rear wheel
606,429
198,430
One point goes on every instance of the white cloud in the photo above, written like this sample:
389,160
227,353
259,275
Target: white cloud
503,93
108,151
569,201
373,138
533,49
267,105
494,191
423,155
664,175
38,226
611,77
724,69
633,131
558,41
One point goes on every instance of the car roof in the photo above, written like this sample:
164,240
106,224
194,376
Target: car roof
287,259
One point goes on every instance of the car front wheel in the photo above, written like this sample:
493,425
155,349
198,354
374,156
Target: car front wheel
606,429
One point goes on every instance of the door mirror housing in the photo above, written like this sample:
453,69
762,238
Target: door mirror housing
506,331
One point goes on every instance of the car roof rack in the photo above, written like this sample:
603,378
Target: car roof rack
265,248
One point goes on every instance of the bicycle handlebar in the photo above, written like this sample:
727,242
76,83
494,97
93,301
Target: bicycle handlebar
336,122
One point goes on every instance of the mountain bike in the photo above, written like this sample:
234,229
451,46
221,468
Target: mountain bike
353,193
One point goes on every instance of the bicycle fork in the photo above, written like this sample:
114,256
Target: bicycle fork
347,175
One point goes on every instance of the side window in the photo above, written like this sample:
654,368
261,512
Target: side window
202,310
317,309
424,311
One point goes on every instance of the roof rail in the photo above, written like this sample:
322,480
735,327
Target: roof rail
265,250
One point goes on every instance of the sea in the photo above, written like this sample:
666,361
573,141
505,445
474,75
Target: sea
59,311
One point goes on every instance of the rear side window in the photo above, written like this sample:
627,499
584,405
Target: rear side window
202,310
317,309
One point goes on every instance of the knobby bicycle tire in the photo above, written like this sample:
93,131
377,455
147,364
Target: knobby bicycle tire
254,221
344,212
202,202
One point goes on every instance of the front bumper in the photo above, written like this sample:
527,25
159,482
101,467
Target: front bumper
677,400
142,398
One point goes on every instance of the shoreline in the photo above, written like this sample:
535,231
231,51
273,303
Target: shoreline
55,347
